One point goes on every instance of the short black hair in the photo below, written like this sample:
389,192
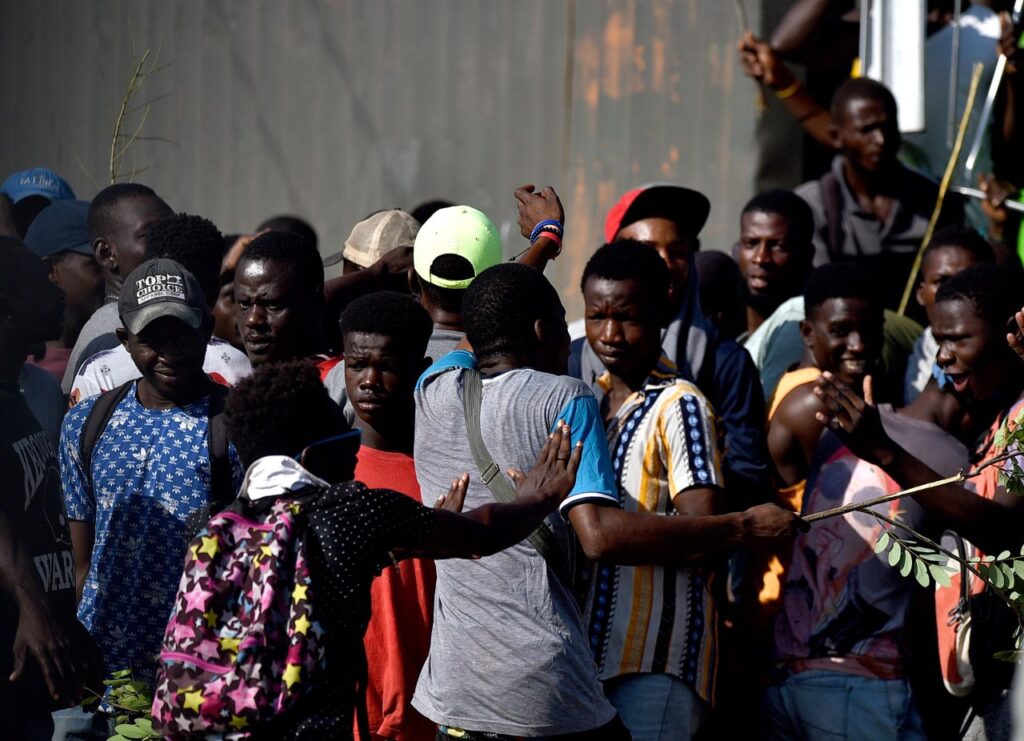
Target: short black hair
16,263
721,283
426,209
861,88
985,286
291,225
840,280
279,410
451,267
193,242
501,306
627,259
964,238
390,314
104,203
291,249
788,204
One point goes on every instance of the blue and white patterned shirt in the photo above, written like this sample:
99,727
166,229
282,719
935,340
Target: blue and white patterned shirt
150,471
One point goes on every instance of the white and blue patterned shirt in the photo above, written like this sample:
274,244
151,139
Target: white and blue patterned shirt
150,471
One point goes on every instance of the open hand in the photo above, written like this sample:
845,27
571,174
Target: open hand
537,207
455,497
41,639
856,420
554,474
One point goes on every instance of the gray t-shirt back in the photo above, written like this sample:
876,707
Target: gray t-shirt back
508,651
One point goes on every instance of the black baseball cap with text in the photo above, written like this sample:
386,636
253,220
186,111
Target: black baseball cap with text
159,288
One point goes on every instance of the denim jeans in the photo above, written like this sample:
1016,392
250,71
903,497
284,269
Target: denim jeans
76,724
656,706
829,706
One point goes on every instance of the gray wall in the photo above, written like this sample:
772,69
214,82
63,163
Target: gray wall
333,109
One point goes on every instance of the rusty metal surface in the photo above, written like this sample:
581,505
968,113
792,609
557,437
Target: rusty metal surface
333,109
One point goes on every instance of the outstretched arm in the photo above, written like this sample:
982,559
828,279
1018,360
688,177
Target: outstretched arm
762,64
991,524
494,527
614,535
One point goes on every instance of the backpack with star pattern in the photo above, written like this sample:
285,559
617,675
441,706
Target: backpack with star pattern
243,644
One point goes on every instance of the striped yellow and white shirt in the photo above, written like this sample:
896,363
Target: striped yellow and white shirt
658,619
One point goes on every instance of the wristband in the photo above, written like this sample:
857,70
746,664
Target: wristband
550,224
788,91
545,234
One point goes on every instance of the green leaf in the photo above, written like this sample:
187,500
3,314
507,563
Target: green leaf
921,572
1014,596
883,542
146,725
895,553
1018,568
117,737
130,731
934,556
995,576
90,701
116,682
137,704
906,564
121,673
939,574
1003,556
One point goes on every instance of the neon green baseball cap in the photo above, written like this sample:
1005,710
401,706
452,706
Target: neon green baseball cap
456,230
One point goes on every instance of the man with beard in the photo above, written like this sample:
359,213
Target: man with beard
279,291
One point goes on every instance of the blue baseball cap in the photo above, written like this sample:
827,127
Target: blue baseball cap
60,227
39,181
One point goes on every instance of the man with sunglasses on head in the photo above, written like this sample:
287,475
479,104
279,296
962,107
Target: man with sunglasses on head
131,491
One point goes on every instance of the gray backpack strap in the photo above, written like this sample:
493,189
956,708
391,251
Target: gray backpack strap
490,473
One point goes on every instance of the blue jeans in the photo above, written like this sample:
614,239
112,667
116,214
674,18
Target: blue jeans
656,706
76,724
826,706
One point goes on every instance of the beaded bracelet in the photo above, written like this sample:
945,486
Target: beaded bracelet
550,224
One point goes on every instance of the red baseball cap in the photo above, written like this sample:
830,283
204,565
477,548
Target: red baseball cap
687,207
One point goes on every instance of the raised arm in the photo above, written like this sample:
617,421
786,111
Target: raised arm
535,208
762,64
991,524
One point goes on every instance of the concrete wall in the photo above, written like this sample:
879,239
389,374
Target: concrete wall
335,108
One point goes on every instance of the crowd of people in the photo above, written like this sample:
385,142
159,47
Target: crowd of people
472,520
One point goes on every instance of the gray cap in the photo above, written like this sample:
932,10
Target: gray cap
159,288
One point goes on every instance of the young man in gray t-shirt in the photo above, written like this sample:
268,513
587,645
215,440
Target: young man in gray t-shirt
509,653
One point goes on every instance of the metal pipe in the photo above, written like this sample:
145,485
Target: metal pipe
980,195
986,111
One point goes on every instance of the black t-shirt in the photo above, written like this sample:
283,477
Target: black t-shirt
351,531
30,496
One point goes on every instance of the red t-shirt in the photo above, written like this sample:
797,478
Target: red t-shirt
402,601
